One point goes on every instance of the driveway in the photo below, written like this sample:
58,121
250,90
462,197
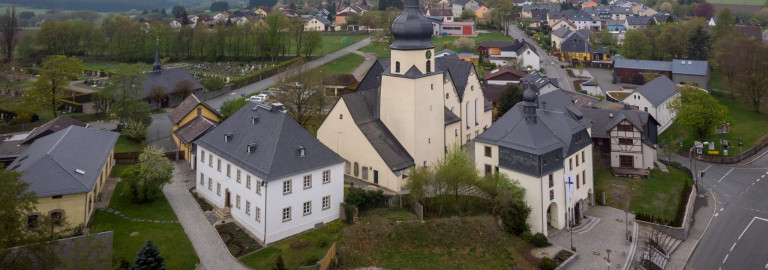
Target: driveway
604,78
159,132
551,64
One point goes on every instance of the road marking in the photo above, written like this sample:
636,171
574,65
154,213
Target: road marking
721,209
726,258
716,214
734,245
756,210
707,168
724,175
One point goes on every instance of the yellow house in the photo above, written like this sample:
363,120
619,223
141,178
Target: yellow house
191,119
260,12
67,170
481,12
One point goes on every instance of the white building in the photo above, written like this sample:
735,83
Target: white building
543,142
408,109
509,53
269,173
459,6
656,98
626,139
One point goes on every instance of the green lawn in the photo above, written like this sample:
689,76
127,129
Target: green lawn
658,196
395,239
170,237
382,50
319,240
344,65
125,145
24,84
745,124
17,105
332,43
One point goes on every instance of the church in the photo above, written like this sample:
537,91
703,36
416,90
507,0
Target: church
408,110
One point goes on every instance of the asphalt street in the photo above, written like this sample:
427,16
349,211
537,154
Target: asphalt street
738,235
265,83
551,64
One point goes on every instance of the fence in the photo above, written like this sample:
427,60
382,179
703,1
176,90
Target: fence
761,144
329,258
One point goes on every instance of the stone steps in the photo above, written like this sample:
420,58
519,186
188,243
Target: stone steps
588,226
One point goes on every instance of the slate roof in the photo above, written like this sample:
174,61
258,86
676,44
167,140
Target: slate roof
451,117
459,71
536,80
528,8
749,31
562,32
620,10
49,165
277,137
362,107
662,17
186,106
580,45
579,16
614,23
193,129
52,126
604,120
690,67
372,79
496,44
638,20
642,64
491,92
442,12
339,79
324,20
446,51
168,78
657,91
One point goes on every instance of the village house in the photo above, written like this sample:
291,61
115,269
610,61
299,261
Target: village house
563,23
510,53
538,12
457,29
543,142
446,14
459,6
268,174
688,72
582,20
539,82
481,13
504,76
67,171
656,97
12,146
191,119
407,110
626,140
636,22
318,23
576,47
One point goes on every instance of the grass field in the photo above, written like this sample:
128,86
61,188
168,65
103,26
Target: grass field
745,124
123,145
319,241
658,196
332,43
395,239
737,2
169,237
382,50
344,65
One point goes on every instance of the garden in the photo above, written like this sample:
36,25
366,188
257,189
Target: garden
299,250
237,240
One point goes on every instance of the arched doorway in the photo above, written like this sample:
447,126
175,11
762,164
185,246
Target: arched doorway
553,219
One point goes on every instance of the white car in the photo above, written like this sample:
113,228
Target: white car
261,98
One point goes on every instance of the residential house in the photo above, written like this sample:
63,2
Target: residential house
539,12
625,139
504,76
437,25
646,11
539,82
67,171
510,53
469,57
636,22
521,3
339,84
374,128
601,12
582,20
191,119
558,35
446,14
543,143
352,8
564,22
341,18
459,6
221,17
458,29
12,146
589,4
269,174
176,23
239,21
620,13
318,23
166,80
576,47
664,17
690,72
262,11
445,52
481,13
656,97
749,31
553,16
615,26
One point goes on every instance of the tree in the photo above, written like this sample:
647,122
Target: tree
704,10
183,88
456,171
465,44
178,11
636,45
102,99
509,201
16,201
699,44
157,95
311,42
725,23
698,112
147,178
135,130
220,6
303,94
273,36
231,106
127,105
213,83
148,258
750,80
511,95
466,16
420,181
10,76
10,30
55,73
671,42
606,38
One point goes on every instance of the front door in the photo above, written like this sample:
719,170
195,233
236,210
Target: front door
626,161
226,199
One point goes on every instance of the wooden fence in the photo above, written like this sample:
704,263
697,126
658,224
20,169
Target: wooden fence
329,258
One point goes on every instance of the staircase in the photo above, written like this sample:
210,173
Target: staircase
587,226
658,254
223,213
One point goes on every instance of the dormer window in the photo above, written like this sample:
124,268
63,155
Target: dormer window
251,147
227,137
254,119
397,67
301,151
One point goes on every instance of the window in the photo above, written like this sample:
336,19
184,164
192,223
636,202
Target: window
210,184
466,114
248,182
365,173
577,161
341,116
397,67
202,179
551,180
202,156
228,174
488,169
307,208
286,214
237,201
357,169
237,174
488,151
258,187
623,141
624,127
218,189
578,183
218,165
584,177
287,186
307,181
626,161
570,164
347,167
210,160
646,109
257,213
476,112
57,197
326,176
582,157
57,216
429,67
247,208
33,220
326,202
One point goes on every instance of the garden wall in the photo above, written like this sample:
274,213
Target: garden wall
680,233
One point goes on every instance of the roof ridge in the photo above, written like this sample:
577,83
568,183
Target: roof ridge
58,141
279,140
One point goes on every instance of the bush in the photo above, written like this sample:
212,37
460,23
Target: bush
488,65
135,131
570,73
212,83
527,236
349,211
547,263
311,259
365,199
334,226
539,240
514,217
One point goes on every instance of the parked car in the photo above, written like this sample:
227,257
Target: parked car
261,98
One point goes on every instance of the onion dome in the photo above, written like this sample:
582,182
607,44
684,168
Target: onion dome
412,30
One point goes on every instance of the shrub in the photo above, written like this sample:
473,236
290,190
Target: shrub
322,242
539,240
334,226
514,217
135,130
570,73
365,199
279,263
349,211
311,259
299,244
527,236
213,83
547,263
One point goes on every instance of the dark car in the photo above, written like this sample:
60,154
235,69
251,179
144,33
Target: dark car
562,66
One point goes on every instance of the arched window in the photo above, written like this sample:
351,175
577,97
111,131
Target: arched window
397,66
365,173
357,169
429,66
347,167
57,216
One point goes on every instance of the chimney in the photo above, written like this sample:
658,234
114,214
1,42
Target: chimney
277,107
610,115
254,119
251,147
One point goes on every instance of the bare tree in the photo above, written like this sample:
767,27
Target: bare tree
157,95
183,88
10,30
10,76
303,94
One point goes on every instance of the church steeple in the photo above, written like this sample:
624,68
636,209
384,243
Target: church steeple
412,30
157,66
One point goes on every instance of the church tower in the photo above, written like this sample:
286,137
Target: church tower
157,66
411,95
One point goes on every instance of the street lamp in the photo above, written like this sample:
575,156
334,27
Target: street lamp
609,258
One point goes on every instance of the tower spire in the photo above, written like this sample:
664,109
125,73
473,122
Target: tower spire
157,65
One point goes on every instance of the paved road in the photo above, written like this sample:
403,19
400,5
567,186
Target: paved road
736,238
159,132
551,64
263,84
